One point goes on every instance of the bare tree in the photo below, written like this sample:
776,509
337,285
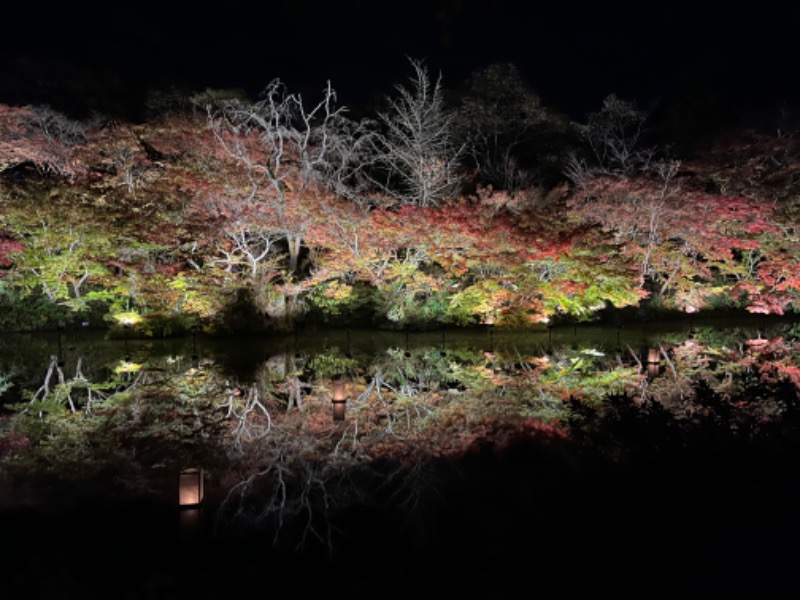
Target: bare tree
251,246
58,127
614,134
286,149
417,150
353,149
75,391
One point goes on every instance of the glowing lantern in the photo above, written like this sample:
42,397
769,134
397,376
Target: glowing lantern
190,487
339,400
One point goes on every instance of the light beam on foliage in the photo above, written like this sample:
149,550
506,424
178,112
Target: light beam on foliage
128,319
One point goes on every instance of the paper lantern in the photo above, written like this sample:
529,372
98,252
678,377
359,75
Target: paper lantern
190,487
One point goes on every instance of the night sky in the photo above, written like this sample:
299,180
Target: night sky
704,58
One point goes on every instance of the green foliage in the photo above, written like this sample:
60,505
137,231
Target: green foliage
722,301
154,324
411,304
429,369
60,260
62,446
21,311
129,430
580,285
331,363
98,300
474,304
335,298
793,333
587,374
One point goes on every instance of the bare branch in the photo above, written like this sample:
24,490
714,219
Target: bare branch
418,151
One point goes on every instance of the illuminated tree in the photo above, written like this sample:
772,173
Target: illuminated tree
288,153
417,149
61,261
42,137
687,245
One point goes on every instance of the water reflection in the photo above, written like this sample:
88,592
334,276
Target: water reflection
294,433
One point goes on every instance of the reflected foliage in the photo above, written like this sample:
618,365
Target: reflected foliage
277,459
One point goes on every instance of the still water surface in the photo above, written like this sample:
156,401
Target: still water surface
26,356
697,513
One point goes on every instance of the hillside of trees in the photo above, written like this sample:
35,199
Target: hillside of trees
475,206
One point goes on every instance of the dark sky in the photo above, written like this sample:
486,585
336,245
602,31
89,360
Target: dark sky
679,53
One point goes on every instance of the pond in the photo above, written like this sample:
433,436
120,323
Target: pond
586,458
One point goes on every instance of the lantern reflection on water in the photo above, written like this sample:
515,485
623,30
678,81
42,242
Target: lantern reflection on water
653,362
190,521
653,356
190,501
339,400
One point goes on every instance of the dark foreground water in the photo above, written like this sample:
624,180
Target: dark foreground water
670,513
533,521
